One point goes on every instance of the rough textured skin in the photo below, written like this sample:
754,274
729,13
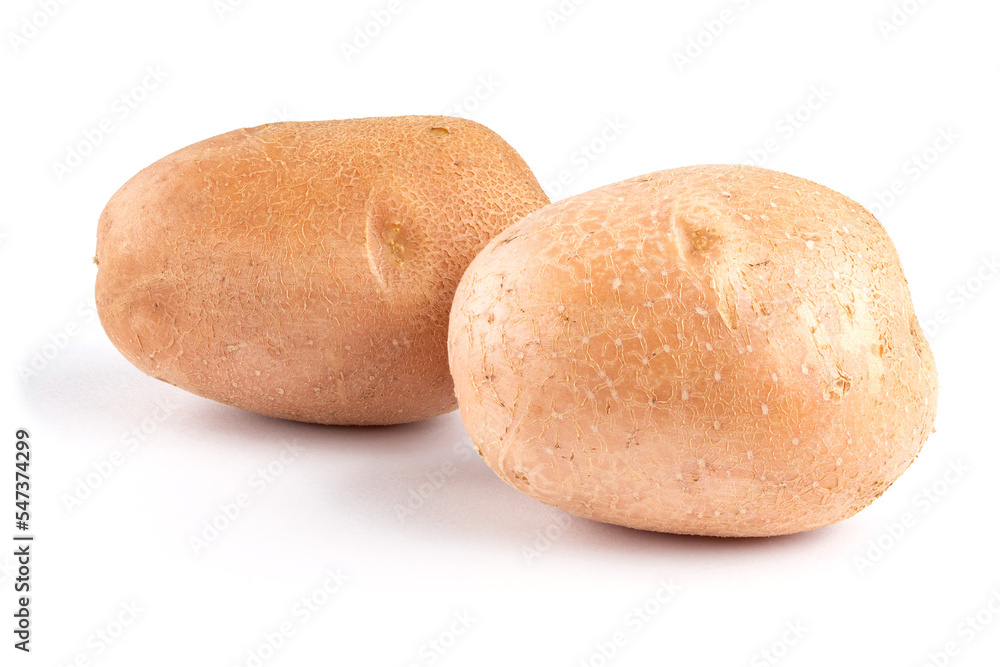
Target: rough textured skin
306,270
714,350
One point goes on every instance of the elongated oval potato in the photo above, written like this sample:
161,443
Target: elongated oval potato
713,350
306,270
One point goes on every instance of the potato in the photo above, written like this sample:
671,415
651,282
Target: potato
306,270
713,350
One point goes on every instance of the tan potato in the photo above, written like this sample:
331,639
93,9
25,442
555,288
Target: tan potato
306,270
714,350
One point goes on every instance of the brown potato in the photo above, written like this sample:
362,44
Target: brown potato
713,350
306,270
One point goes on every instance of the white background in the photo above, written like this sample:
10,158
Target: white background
867,591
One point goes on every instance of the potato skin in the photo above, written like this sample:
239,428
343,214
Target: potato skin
712,350
306,270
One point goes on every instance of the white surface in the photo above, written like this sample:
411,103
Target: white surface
335,506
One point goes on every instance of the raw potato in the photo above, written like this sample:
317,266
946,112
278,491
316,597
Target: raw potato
714,350
306,270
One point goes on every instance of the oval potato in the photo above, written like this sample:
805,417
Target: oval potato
713,350
306,270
